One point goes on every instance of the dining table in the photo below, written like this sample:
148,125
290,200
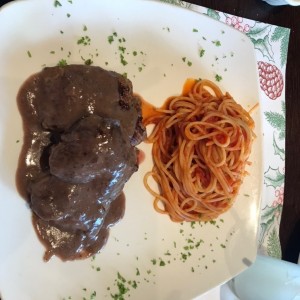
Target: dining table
288,173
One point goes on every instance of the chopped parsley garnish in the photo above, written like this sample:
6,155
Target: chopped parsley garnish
98,269
218,77
134,53
68,15
140,69
88,62
122,49
184,59
84,28
137,272
61,32
223,246
123,61
153,261
162,263
17,141
189,63
57,3
52,52
29,53
201,52
62,63
217,43
84,40
70,1
110,39
195,30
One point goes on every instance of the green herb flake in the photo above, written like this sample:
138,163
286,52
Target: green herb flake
162,263
29,54
84,289
193,224
84,40
84,28
195,30
126,76
61,32
218,77
17,141
134,284
122,49
184,59
115,34
184,256
153,261
137,272
98,269
246,195
204,38
217,43
62,63
57,3
223,246
88,62
189,63
68,15
167,253
192,269
123,61
201,52
134,53
222,220
110,39
93,295
70,1
140,69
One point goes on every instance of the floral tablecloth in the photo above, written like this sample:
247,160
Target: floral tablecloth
271,45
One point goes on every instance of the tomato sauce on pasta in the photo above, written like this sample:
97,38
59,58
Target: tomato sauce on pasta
201,143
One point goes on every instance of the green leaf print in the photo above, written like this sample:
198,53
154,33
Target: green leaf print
213,14
273,177
177,2
282,34
273,246
259,35
277,150
277,120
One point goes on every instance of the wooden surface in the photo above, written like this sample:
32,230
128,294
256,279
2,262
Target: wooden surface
289,17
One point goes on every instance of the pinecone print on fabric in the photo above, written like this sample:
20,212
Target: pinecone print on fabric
271,79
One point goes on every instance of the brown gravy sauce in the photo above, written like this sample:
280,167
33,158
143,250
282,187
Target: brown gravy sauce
81,125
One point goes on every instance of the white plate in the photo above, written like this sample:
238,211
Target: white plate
163,36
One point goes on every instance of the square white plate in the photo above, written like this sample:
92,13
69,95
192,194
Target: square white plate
157,259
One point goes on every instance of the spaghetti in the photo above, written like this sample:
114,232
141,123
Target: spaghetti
201,144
